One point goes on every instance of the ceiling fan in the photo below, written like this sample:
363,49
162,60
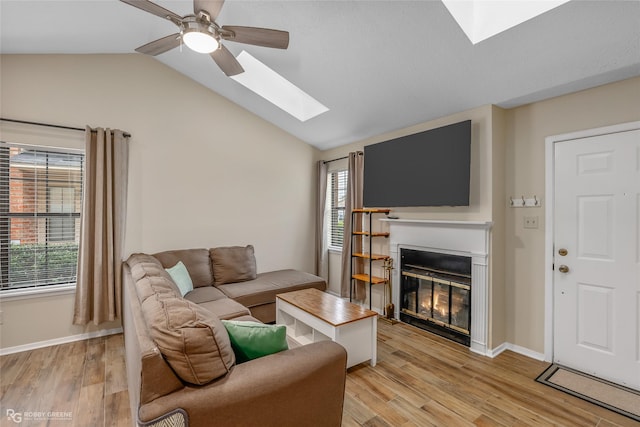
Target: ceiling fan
201,33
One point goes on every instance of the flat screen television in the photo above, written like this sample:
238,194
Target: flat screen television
430,168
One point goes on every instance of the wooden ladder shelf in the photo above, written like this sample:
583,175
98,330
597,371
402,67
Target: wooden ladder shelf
369,256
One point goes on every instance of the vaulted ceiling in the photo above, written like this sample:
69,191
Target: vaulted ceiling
377,65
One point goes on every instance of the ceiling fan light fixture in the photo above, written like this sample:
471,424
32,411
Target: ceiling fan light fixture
200,42
198,36
202,34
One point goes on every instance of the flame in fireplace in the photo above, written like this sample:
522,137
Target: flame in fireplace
426,305
441,309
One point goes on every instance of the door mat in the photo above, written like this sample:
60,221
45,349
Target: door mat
623,400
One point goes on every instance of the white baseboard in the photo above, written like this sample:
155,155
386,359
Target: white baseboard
516,349
58,341
506,346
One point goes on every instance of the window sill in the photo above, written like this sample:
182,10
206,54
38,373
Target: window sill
37,292
335,250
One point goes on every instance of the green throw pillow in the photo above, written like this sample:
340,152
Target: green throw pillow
181,277
251,340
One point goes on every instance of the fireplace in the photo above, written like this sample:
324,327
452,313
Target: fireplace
435,293
467,239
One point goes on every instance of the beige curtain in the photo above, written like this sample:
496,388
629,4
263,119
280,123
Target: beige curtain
322,267
355,176
99,281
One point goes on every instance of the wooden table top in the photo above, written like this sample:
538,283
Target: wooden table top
327,307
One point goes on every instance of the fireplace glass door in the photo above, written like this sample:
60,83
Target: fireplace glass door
442,302
435,293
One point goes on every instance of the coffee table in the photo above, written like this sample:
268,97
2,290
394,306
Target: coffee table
311,315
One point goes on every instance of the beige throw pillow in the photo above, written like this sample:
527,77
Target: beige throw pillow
233,264
192,340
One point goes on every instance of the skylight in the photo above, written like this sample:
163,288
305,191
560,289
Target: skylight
276,89
481,19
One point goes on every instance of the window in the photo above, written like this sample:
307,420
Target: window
40,203
62,200
337,195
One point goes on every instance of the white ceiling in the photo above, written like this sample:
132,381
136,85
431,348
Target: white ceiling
378,65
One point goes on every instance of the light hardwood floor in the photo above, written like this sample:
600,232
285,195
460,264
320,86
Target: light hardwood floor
85,378
420,380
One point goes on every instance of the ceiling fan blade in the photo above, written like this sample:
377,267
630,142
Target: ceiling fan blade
154,9
159,46
226,61
212,7
257,36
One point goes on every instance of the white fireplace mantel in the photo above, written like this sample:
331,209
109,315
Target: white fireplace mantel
463,238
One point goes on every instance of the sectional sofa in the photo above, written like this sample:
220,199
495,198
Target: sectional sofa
181,366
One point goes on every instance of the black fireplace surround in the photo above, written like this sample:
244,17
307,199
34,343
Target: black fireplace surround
435,293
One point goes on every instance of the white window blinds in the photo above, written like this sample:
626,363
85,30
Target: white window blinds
40,204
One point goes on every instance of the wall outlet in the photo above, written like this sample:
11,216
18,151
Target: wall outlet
530,222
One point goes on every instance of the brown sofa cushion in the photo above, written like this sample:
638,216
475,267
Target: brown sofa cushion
192,340
149,286
225,308
197,263
150,277
145,265
233,264
266,286
205,294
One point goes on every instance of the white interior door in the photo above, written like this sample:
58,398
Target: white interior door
597,281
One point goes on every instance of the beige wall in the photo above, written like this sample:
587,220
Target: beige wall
203,171
497,325
526,130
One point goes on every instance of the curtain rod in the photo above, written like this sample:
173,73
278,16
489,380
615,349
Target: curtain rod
126,134
360,153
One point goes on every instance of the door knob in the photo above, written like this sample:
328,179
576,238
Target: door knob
563,269
562,252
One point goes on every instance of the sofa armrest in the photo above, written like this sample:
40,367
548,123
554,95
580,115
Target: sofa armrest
300,386
148,375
